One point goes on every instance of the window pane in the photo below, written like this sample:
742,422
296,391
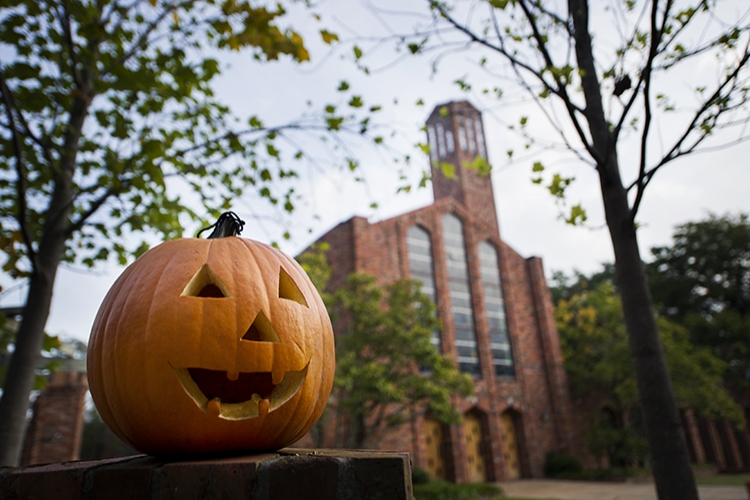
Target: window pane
502,359
460,292
421,268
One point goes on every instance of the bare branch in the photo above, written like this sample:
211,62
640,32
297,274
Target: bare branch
20,170
559,89
677,149
64,19
656,35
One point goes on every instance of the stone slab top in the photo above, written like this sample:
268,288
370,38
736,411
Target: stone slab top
290,473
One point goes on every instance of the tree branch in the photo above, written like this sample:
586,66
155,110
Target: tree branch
20,171
676,151
656,36
559,90
561,85
594,112
64,20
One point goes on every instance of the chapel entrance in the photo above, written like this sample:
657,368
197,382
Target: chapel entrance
433,437
510,444
474,436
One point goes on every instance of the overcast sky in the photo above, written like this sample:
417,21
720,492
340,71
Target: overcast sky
684,191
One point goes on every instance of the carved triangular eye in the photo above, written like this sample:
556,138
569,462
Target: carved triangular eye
288,289
205,284
261,330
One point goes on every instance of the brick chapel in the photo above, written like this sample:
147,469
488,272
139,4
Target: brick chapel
496,311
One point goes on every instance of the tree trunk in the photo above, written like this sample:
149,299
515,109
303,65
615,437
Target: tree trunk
19,380
669,454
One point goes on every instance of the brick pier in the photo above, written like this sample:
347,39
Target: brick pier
287,474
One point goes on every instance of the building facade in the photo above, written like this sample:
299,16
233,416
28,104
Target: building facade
495,309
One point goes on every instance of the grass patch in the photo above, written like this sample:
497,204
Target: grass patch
440,490
723,479
611,474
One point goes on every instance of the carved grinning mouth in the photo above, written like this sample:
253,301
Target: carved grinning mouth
240,395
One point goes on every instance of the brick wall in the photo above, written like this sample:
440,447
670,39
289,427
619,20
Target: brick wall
538,393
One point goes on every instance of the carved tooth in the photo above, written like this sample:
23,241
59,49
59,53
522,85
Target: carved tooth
277,376
233,375
213,408
263,407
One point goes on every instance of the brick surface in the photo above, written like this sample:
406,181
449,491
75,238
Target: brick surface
226,478
287,475
56,430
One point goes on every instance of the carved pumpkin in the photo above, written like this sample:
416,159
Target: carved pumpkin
206,345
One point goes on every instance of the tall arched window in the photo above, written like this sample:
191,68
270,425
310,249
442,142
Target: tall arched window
502,360
432,140
460,295
480,137
421,268
440,139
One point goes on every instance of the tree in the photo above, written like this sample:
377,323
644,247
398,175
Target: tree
703,281
109,128
595,350
549,52
387,370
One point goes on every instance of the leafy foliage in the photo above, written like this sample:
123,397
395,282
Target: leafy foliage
703,281
596,353
123,91
387,367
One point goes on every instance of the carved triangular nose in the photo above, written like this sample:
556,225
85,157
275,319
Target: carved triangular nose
261,330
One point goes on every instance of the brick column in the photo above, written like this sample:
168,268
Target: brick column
557,379
714,441
692,435
733,449
56,429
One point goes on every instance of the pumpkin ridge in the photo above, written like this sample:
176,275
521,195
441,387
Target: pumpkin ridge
148,335
94,361
144,268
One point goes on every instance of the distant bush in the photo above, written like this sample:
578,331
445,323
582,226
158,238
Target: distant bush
420,476
440,490
558,464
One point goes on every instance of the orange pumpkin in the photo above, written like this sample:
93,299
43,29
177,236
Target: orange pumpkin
209,345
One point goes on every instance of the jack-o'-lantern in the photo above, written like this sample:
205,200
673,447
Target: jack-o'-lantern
209,345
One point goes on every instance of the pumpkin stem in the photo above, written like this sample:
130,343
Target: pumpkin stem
228,224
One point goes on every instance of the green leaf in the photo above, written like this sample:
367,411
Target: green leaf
577,216
343,86
537,167
499,4
357,52
329,37
448,169
356,101
480,165
558,185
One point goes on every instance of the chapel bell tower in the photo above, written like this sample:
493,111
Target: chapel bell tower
456,136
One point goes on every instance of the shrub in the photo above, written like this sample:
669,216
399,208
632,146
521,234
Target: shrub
419,476
440,490
557,464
